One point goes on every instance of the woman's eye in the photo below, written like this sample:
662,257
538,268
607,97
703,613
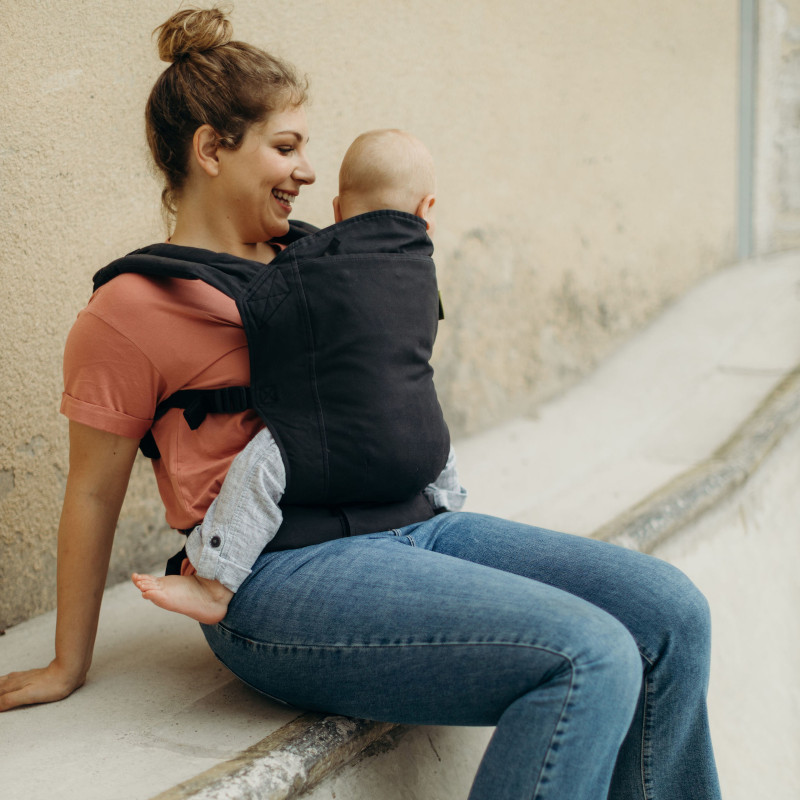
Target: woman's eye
286,149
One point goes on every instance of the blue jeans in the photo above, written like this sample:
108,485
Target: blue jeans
591,660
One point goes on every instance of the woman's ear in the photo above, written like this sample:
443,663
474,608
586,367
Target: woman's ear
425,210
205,144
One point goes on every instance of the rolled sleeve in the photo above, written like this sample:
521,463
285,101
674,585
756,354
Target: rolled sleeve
104,419
109,383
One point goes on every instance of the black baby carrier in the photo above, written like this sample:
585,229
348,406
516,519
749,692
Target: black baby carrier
340,327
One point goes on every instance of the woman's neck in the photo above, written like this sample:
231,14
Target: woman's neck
260,251
193,228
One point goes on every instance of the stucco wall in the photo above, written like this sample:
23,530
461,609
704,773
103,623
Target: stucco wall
586,162
777,160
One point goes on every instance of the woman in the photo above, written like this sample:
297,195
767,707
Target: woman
591,660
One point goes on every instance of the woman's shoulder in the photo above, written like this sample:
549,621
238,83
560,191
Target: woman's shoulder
138,298
154,334
165,320
125,289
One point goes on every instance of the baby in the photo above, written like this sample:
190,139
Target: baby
382,169
386,169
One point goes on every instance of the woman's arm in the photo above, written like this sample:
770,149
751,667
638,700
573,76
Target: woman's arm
99,469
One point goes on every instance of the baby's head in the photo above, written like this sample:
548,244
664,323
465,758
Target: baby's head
386,169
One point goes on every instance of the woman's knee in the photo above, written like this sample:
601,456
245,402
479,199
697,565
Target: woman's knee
694,612
604,660
686,606
681,621
621,658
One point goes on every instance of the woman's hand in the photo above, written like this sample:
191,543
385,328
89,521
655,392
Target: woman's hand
99,469
37,686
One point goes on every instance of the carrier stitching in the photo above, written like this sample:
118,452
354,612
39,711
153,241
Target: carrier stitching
312,368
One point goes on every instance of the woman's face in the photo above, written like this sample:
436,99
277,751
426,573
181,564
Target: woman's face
263,176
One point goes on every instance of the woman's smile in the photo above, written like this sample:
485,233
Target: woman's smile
285,199
262,178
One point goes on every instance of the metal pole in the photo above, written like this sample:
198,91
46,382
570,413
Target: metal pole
748,56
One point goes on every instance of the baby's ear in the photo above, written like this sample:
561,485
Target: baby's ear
425,210
337,210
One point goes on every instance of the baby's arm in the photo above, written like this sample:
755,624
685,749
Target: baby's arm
238,525
446,493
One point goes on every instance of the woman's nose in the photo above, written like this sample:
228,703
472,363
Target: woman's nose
304,172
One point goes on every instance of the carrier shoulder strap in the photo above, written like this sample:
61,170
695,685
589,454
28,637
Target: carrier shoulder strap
226,274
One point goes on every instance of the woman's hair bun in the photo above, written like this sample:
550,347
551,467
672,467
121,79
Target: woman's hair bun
192,30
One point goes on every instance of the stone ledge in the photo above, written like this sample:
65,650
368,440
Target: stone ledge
285,763
298,756
684,499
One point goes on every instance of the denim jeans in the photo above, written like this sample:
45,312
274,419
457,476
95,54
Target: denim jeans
590,660
245,515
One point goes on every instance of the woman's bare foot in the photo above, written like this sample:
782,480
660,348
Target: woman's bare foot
199,598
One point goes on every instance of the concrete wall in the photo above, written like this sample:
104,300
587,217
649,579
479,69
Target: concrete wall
744,557
777,156
586,159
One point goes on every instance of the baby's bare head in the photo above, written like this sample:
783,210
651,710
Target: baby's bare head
382,169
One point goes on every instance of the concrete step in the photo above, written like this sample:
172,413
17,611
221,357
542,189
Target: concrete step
635,453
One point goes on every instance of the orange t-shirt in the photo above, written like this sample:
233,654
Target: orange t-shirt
141,339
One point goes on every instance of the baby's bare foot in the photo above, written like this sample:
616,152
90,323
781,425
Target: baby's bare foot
199,598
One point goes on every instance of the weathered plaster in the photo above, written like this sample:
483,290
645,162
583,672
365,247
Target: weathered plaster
585,157
777,190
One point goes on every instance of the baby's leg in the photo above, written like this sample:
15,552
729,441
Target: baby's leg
238,524
243,517
199,598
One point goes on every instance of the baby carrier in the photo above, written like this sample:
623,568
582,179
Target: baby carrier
340,327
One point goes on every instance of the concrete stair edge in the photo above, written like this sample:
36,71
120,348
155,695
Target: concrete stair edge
295,758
